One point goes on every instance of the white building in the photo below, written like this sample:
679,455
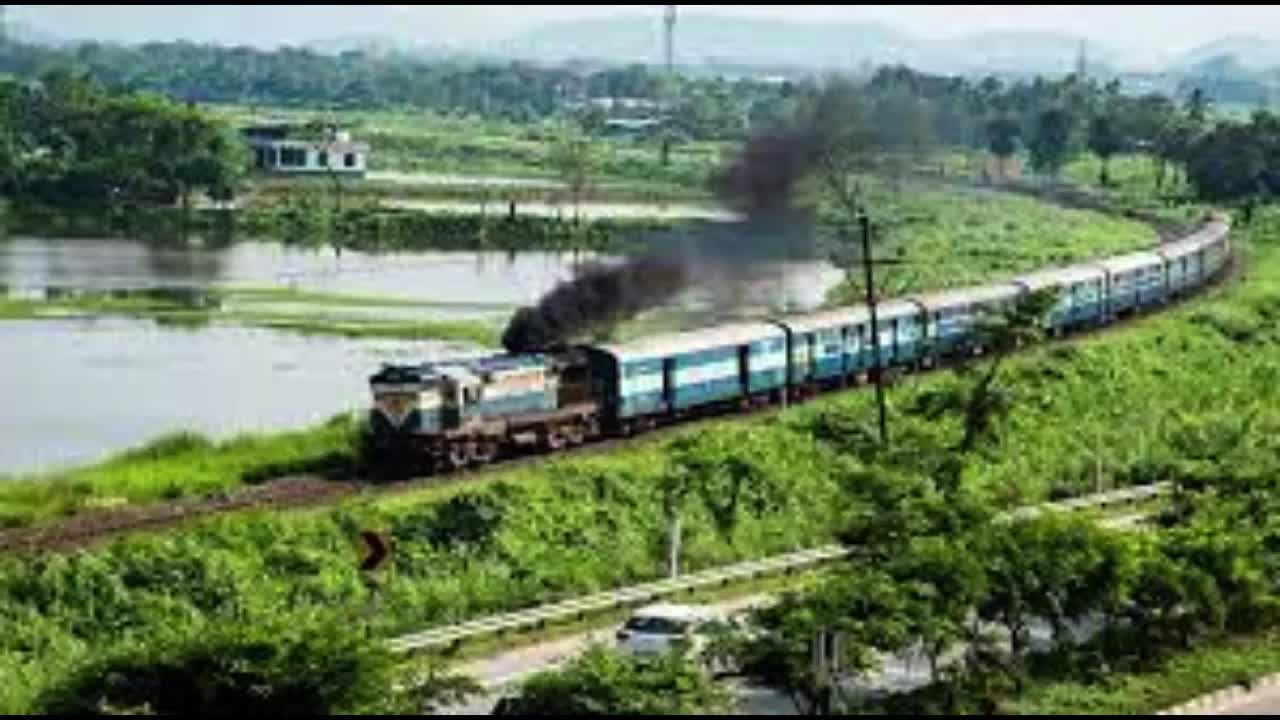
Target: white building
283,148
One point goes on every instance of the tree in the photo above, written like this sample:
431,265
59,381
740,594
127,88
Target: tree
1197,105
710,467
862,608
1002,140
903,127
281,669
984,402
1173,146
943,581
1050,140
1227,165
606,682
1105,140
573,156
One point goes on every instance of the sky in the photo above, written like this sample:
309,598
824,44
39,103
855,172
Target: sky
1152,31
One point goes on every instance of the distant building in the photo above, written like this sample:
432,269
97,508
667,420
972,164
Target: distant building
300,149
633,128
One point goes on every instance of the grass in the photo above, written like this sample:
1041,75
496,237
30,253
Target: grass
174,466
416,141
1133,402
252,307
1181,678
948,237
477,332
486,646
247,294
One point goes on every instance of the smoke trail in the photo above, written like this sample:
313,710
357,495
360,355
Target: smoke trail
599,296
759,183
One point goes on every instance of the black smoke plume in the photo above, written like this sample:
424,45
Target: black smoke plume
599,296
761,180
758,184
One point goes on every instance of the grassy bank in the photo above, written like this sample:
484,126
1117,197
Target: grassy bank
174,466
1181,678
415,141
950,236
1120,408
312,220
310,313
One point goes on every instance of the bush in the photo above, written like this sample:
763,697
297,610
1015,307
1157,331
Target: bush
287,669
605,682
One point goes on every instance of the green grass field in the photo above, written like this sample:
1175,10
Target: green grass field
421,142
1109,410
1183,677
274,308
949,237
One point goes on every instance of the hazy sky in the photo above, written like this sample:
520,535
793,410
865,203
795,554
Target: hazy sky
1147,30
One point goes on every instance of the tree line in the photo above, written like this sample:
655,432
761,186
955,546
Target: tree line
97,127
67,141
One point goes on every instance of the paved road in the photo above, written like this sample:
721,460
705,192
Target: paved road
502,673
1265,701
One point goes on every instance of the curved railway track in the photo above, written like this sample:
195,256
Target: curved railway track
296,491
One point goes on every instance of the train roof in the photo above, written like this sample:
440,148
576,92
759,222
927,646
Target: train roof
462,368
693,341
848,315
1060,277
1132,261
1196,240
967,296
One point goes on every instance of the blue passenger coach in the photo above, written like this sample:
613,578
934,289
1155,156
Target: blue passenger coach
677,372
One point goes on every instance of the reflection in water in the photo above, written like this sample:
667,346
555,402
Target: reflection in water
504,277
77,389
80,389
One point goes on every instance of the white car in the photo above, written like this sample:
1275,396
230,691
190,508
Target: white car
657,629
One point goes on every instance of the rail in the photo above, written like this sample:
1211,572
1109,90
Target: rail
719,576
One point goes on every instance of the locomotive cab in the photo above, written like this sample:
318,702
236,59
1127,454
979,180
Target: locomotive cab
460,394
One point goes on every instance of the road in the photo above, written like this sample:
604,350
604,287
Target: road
502,673
1264,701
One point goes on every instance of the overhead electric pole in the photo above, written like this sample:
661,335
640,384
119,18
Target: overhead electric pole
669,52
868,264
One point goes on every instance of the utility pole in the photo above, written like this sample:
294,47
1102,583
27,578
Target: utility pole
673,547
827,653
868,264
669,51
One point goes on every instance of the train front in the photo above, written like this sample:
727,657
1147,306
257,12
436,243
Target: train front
405,414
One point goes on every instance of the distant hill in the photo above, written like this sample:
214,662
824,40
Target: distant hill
737,40
1036,52
1250,51
26,32
704,37
379,44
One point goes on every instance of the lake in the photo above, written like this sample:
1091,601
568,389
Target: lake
79,389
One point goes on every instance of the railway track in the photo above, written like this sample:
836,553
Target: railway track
294,491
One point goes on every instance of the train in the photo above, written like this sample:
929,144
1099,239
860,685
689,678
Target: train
450,415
